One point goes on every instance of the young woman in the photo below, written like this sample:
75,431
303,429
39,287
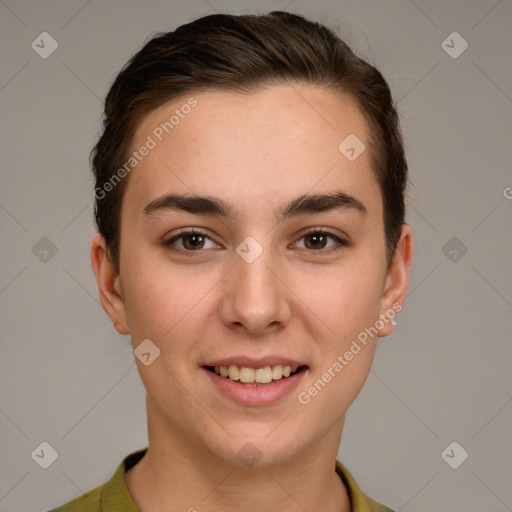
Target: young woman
250,185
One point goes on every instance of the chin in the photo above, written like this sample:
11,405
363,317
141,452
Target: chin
246,450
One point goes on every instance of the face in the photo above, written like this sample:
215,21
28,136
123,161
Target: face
266,281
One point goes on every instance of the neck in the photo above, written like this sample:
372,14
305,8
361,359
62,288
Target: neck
176,474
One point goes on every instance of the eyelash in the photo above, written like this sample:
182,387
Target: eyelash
169,243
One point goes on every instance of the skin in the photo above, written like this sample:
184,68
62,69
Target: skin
256,151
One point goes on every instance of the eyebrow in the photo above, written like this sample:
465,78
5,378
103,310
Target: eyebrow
207,205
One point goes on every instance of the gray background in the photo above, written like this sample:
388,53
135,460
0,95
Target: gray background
69,379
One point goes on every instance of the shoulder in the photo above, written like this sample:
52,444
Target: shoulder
88,502
112,496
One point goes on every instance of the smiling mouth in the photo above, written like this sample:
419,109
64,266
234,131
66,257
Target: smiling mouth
246,375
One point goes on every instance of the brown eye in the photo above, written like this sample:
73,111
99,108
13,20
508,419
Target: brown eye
193,241
318,240
190,242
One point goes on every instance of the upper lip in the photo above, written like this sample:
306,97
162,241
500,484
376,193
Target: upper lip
255,363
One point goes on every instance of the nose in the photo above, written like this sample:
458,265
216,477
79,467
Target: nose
256,299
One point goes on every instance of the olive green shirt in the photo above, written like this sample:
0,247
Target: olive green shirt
114,496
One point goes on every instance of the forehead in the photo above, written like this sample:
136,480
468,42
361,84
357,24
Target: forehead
253,148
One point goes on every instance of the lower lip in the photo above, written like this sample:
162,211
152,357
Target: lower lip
252,394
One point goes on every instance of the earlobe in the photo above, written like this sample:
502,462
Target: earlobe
397,281
109,286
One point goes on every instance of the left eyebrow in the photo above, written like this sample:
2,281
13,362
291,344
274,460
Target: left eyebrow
207,205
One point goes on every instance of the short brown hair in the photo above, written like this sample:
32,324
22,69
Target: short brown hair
245,53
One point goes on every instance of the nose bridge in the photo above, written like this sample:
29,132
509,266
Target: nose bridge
256,270
256,297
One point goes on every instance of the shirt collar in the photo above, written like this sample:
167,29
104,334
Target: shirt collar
359,500
115,495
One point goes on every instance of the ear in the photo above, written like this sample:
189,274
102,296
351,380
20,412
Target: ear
397,280
109,287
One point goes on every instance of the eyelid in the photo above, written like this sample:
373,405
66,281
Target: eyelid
325,231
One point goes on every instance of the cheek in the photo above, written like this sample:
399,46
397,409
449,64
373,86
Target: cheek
169,307
346,306
154,302
164,308
344,302
349,306
147,305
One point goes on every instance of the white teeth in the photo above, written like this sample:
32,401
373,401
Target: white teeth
277,372
263,375
233,372
248,375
